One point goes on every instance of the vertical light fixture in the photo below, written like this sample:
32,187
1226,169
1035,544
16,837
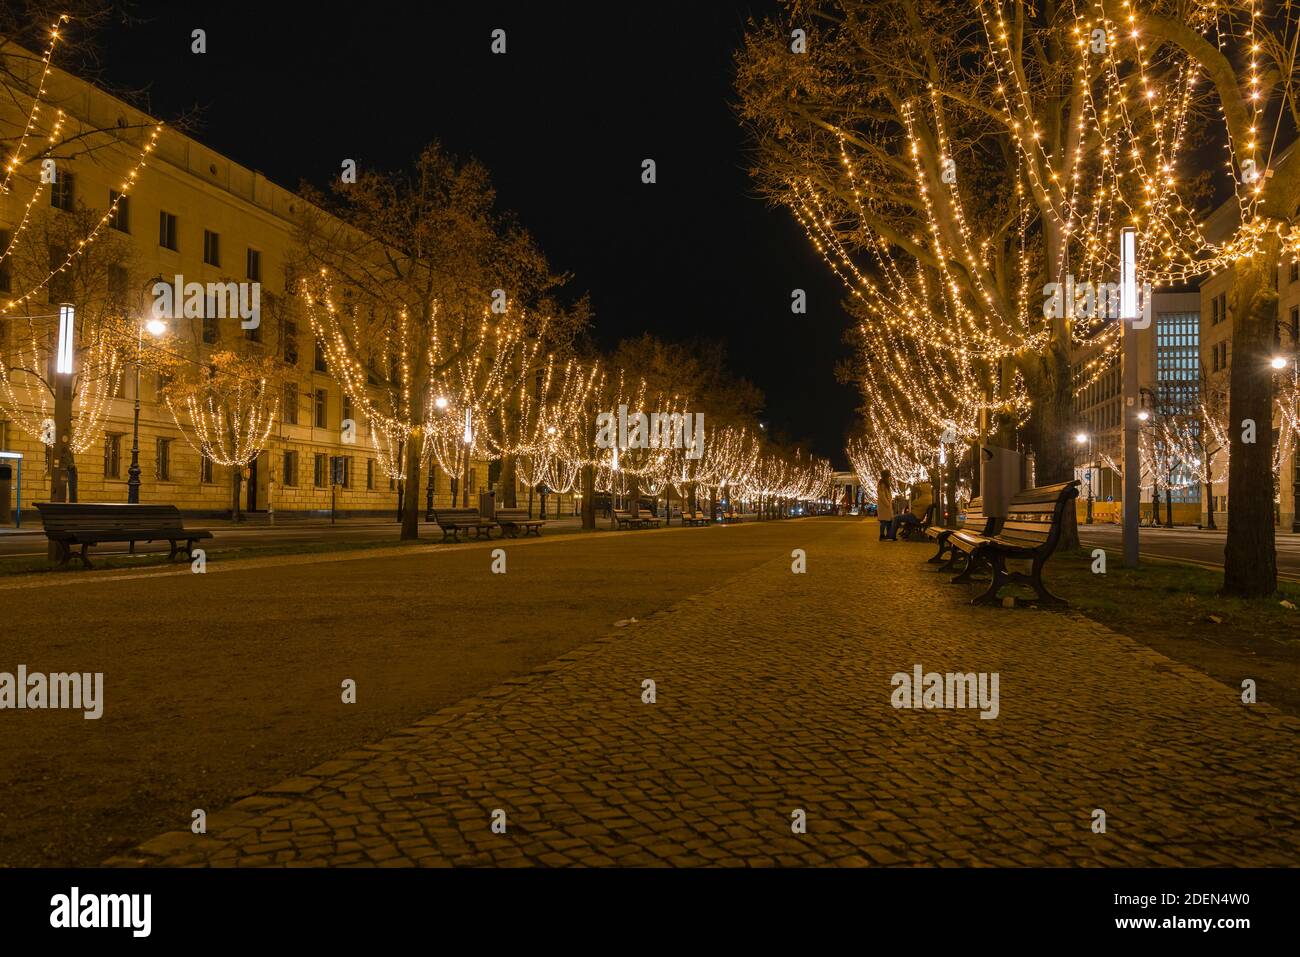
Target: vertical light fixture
1128,304
469,434
67,323
1128,315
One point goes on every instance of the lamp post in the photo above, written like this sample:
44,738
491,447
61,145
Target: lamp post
62,484
1128,316
468,439
156,328
1081,439
441,404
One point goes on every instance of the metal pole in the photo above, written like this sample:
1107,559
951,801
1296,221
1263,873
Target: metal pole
1091,471
1132,507
133,473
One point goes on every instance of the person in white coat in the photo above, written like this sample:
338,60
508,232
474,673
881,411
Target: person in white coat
885,506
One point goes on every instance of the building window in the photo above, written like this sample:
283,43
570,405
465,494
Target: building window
211,248
62,190
291,468
1293,271
370,474
118,280
1295,325
167,230
162,469
320,470
291,403
318,363
321,404
347,408
342,469
120,217
205,470
254,265
291,343
112,455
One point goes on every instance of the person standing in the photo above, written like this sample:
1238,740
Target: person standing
885,506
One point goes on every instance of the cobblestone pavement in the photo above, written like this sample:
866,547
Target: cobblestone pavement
773,693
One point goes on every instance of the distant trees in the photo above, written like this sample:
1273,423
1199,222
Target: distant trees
419,289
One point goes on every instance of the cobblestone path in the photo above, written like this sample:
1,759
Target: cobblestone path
773,694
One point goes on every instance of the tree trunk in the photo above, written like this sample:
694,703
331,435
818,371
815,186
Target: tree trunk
508,481
236,488
1249,557
1047,379
589,497
1209,502
411,502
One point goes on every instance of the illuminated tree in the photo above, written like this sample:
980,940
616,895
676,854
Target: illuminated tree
225,408
399,273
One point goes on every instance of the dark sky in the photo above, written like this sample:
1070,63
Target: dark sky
563,120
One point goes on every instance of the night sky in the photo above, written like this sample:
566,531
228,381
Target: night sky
562,121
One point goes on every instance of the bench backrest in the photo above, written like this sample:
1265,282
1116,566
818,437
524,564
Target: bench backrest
1034,515
449,515
977,521
68,516
512,515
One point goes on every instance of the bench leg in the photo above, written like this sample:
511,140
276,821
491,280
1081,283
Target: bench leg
85,559
171,556
937,557
967,568
1036,582
1000,578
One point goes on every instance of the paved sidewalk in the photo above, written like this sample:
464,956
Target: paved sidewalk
774,695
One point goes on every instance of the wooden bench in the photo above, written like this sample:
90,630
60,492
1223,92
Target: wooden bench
975,521
453,521
514,520
91,523
909,530
638,519
698,518
1030,532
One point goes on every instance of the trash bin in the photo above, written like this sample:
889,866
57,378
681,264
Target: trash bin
6,494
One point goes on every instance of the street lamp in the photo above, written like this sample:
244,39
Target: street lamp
155,327
1128,317
1279,362
1081,439
63,468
